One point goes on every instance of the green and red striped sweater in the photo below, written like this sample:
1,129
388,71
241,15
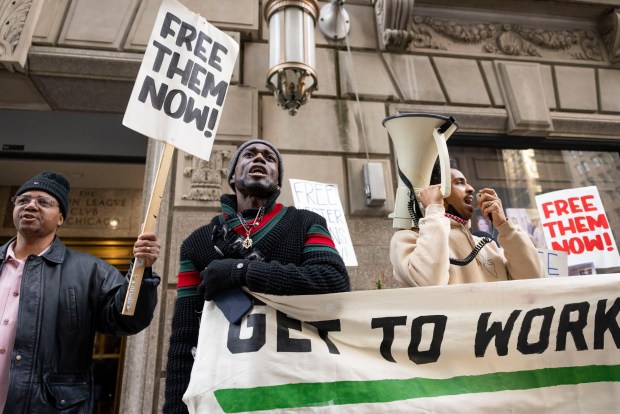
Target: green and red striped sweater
300,259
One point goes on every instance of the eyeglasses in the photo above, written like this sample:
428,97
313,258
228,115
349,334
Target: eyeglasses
24,200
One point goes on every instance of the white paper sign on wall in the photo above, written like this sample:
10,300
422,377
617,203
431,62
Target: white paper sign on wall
324,200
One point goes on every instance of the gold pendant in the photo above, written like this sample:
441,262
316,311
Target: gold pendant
247,243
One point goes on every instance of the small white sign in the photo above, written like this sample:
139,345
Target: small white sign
555,263
324,200
180,90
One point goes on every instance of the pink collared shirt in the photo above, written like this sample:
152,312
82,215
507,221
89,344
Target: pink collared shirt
10,283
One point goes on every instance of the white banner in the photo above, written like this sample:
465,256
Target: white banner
324,200
183,80
532,346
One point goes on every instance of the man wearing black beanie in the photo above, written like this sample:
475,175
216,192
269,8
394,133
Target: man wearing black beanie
255,242
52,183
53,300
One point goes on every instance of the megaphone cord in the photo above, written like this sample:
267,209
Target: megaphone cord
415,213
472,255
414,209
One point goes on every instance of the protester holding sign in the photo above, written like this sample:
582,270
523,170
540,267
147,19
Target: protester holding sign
53,299
256,243
443,250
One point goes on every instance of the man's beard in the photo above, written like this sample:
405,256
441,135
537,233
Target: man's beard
256,189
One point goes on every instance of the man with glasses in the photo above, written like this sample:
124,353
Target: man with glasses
54,299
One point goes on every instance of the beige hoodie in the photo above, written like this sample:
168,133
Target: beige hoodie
423,258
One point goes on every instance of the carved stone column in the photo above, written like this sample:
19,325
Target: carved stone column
610,30
393,19
17,22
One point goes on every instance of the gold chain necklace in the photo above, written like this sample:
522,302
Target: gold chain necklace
247,243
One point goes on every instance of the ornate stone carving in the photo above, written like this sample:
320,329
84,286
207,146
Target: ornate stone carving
12,18
508,39
206,176
610,31
423,32
17,19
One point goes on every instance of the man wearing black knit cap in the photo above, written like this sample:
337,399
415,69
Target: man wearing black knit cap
53,299
255,242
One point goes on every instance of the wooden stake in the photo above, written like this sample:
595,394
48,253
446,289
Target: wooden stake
149,226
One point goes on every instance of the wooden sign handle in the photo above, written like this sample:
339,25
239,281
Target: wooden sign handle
149,226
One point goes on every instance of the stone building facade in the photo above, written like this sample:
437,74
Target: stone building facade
532,72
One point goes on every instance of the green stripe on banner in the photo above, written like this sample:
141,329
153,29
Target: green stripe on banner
236,400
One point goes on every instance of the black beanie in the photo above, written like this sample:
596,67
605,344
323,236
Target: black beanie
235,158
52,183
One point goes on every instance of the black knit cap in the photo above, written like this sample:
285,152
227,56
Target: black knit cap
235,158
52,183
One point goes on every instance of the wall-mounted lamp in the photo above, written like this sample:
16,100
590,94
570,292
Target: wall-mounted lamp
291,76
334,20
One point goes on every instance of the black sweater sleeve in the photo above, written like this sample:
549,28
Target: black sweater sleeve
303,260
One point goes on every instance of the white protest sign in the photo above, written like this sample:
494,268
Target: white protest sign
533,346
324,200
555,263
574,221
181,87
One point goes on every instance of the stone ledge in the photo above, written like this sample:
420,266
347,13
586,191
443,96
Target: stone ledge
494,121
589,126
470,119
84,63
90,63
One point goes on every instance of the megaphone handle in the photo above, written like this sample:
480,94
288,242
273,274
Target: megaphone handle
444,162
416,199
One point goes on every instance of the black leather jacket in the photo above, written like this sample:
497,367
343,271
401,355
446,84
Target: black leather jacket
65,297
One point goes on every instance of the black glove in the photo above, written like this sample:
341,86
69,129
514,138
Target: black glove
226,242
221,275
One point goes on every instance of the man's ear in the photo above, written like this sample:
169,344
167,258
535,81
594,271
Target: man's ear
61,220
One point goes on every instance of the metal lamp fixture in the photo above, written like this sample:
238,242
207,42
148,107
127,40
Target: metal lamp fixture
291,76
334,20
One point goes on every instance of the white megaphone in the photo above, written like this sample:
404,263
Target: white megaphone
419,139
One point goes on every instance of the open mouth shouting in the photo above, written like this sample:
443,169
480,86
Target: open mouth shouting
469,202
257,171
